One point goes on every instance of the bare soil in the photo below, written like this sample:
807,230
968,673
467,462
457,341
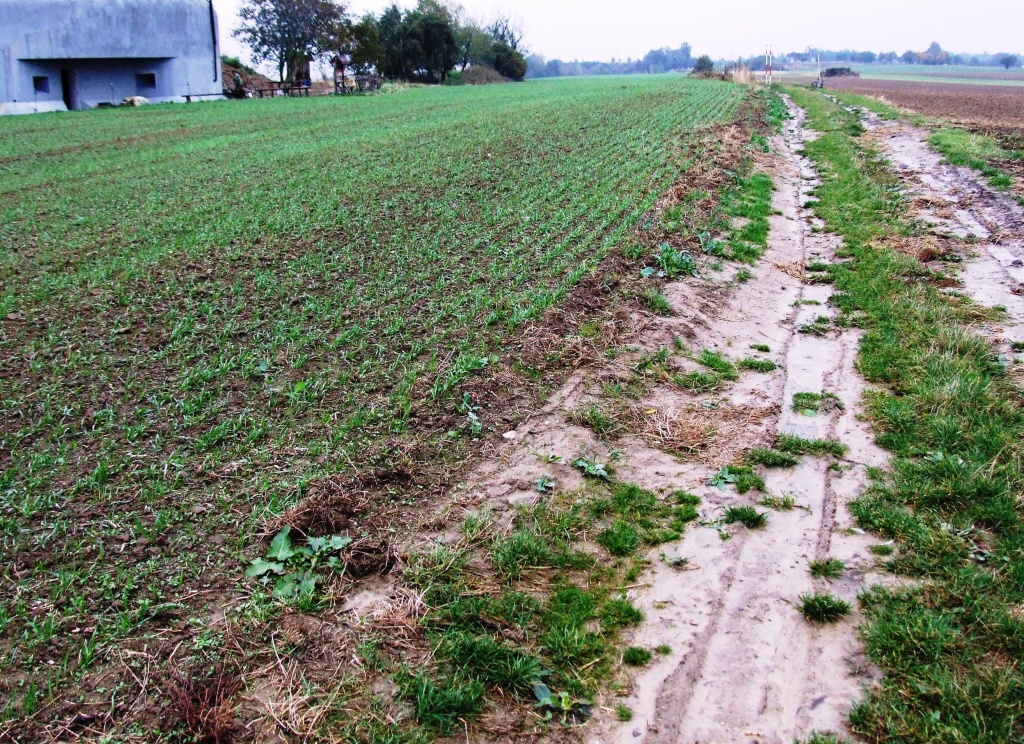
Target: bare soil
989,109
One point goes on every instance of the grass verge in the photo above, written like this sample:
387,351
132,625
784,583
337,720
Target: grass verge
953,423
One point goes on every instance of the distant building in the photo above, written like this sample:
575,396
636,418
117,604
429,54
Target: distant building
57,55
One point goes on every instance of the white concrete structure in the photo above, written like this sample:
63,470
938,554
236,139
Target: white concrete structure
57,55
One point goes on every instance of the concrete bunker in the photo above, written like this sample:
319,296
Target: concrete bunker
58,55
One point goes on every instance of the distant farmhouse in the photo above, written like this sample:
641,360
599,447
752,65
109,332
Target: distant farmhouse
58,55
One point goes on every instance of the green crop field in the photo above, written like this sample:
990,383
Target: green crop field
203,308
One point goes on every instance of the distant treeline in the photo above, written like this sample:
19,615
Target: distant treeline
669,60
655,61
933,55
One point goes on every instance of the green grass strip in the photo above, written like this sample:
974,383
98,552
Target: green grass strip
949,649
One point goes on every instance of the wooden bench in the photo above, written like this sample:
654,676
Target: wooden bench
288,89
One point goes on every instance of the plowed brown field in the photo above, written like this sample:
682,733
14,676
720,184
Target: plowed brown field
992,109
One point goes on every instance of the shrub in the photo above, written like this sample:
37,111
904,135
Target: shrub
704,65
508,61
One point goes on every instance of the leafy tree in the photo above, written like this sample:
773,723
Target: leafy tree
508,61
287,32
704,65
1009,60
475,46
367,50
419,44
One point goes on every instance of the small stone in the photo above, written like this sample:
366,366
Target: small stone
509,435
637,733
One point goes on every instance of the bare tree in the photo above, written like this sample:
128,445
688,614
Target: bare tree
507,31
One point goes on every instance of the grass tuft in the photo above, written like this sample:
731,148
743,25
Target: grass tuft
715,361
771,458
757,365
779,503
636,656
823,608
619,539
748,516
828,569
795,445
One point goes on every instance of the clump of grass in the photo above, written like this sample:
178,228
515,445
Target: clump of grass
685,497
597,419
779,503
1017,346
771,458
619,613
882,549
656,302
698,382
623,713
636,656
663,650
619,539
715,361
761,347
812,403
817,266
828,569
820,326
748,516
823,608
509,669
795,445
525,548
441,703
819,738
742,476
743,276
757,365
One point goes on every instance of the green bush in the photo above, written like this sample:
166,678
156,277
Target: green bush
508,61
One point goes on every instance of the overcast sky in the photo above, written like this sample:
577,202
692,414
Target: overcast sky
603,29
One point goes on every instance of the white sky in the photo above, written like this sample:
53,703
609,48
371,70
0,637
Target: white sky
603,29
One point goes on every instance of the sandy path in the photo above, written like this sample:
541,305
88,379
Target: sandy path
963,205
744,663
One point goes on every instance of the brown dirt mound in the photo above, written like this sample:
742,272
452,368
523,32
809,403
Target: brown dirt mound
250,80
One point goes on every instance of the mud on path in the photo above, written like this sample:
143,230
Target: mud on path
744,664
957,203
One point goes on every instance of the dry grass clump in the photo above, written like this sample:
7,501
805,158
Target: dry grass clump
795,269
924,248
204,706
683,432
711,436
